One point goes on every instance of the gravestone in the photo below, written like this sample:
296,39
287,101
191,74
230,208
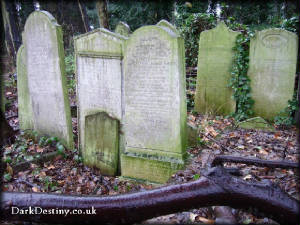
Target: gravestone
214,65
154,105
272,68
123,29
99,87
167,25
24,103
101,146
44,52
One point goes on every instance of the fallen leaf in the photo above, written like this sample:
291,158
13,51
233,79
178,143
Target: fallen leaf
35,189
51,167
38,149
192,217
9,169
247,177
263,152
61,182
204,220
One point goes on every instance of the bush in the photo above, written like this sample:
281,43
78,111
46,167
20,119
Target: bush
190,26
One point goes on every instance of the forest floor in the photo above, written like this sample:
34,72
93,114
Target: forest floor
64,173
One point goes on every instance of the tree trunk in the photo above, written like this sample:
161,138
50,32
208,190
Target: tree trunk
220,159
84,17
216,188
11,28
101,6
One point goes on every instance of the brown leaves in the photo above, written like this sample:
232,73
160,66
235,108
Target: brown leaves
9,169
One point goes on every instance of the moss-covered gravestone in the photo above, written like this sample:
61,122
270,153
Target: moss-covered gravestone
214,65
99,84
24,103
272,68
154,104
101,146
123,29
167,25
44,52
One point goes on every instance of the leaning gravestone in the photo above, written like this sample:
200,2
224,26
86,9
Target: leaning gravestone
123,29
24,103
46,77
154,104
99,84
214,64
272,68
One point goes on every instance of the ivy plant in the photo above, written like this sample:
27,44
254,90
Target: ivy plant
240,82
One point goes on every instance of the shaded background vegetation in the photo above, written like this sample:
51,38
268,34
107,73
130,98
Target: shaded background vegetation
190,17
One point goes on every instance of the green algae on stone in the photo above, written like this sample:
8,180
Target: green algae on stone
47,85
143,168
166,24
24,102
272,68
101,144
192,134
256,123
154,104
123,29
213,74
98,56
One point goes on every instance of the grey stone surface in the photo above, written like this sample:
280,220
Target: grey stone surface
99,83
25,113
101,146
213,73
123,29
154,104
272,68
43,42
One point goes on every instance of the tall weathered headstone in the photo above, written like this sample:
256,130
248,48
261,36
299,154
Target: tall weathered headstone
99,85
272,69
154,104
43,42
25,113
123,29
214,65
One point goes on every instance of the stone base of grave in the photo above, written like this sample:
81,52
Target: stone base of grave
142,168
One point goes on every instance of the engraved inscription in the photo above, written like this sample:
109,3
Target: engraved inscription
99,86
150,93
274,40
49,104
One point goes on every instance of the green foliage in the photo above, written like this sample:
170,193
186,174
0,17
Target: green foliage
70,72
11,82
240,82
60,149
7,177
201,142
190,92
286,117
196,176
190,25
291,24
139,12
